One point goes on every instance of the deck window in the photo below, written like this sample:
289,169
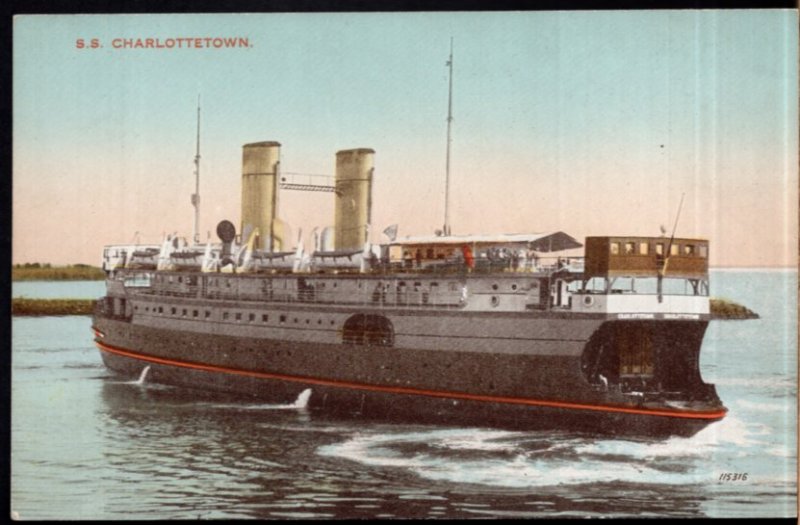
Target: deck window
630,248
675,249
660,248
644,248
702,251
688,250
614,248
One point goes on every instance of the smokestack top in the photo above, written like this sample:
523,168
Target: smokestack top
355,151
266,144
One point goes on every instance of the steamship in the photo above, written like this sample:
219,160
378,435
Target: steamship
527,330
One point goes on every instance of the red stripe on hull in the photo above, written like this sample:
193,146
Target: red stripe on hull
713,415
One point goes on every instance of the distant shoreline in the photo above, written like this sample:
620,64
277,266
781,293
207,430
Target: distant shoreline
45,272
22,306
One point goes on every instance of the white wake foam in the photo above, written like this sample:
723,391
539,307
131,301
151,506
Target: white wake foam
520,459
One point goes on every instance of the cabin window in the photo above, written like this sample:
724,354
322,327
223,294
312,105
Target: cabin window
283,318
630,248
225,316
702,250
195,313
644,248
674,249
251,317
169,279
660,248
614,248
174,310
238,316
208,314
180,279
184,312
688,249
264,318
161,309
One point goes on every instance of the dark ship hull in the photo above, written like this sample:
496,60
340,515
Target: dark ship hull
507,369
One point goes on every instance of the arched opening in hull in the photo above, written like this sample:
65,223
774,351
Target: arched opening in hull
366,329
647,357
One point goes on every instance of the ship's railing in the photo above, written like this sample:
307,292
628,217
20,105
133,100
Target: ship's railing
371,298
495,264
378,295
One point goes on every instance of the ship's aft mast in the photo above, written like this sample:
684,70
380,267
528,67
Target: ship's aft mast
196,194
446,229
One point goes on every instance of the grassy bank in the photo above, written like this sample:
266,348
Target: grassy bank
25,306
45,272
724,309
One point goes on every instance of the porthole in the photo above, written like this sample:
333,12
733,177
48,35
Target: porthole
495,301
513,286
494,287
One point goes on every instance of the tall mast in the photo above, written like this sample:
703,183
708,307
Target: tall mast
446,229
196,194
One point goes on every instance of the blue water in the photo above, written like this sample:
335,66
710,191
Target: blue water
89,445
58,289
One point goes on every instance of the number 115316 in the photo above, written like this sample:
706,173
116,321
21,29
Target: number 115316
733,476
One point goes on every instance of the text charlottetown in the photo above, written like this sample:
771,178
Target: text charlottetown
205,42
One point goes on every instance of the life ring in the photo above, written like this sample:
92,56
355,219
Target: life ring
588,300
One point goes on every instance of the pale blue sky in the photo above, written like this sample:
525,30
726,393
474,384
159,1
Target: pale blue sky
560,119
